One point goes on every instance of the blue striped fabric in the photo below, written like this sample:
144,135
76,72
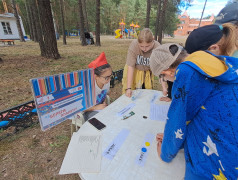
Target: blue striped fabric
36,87
57,81
52,84
72,79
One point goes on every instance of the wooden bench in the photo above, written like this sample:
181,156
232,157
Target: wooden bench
9,41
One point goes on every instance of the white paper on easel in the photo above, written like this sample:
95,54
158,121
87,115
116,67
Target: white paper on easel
83,154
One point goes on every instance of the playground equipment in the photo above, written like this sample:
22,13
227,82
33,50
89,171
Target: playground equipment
136,29
128,33
122,25
73,32
118,34
133,33
136,26
132,25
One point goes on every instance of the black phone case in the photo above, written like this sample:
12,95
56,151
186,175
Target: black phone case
96,123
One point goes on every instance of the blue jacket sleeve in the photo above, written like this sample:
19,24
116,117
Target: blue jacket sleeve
190,90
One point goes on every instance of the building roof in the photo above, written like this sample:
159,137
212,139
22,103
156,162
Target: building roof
7,15
185,14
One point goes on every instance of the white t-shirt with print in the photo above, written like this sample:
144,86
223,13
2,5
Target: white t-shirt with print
101,93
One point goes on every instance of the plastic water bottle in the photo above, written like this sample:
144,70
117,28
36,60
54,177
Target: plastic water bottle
139,85
137,92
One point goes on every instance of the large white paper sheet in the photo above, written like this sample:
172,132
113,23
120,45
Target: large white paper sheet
159,112
154,98
83,154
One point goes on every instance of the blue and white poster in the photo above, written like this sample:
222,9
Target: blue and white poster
59,97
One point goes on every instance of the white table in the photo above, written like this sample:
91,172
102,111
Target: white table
123,166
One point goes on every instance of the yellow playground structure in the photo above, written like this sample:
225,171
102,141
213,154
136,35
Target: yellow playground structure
130,33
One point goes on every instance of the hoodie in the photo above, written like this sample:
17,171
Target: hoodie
203,116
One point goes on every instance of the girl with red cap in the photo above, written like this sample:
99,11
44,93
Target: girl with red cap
103,74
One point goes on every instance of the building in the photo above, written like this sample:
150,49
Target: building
187,25
8,26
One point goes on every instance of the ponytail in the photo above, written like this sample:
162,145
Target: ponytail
228,43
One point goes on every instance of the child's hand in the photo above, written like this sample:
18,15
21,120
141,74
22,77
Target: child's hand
165,92
159,139
166,99
100,106
128,93
159,148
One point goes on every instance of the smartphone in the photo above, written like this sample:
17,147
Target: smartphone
97,124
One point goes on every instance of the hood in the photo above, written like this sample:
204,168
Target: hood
221,68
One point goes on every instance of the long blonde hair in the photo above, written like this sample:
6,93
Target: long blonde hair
228,43
145,35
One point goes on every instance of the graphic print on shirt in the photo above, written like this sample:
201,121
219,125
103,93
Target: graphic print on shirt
215,135
236,71
211,147
182,93
101,97
221,176
141,60
179,134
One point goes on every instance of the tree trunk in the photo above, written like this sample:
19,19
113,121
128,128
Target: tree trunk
81,24
65,11
17,21
38,28
85,15
54,22
157,24
46,19
147,21
162,18
29,18
97,23
62,19
33,21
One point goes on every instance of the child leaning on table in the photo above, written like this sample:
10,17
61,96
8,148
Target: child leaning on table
218,39
202,117
103,74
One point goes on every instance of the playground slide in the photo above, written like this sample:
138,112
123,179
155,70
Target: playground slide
118,35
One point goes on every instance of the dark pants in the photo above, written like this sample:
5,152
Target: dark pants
170,85
143,86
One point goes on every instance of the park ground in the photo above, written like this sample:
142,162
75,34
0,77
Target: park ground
31,153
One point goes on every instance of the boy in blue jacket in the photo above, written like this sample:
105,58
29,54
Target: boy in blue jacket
203,116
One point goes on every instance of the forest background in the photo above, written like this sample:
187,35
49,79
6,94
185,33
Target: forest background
112,11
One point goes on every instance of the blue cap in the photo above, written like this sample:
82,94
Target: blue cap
229,14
